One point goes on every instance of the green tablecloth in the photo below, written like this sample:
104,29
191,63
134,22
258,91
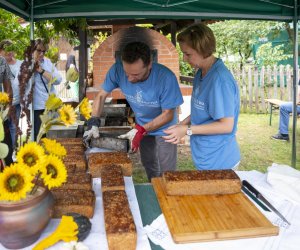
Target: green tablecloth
149,206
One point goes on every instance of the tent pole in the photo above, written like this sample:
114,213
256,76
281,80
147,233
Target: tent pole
31,79
295,82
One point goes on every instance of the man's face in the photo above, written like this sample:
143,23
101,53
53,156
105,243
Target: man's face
39,53
137,71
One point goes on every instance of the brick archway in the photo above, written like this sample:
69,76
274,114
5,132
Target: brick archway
104,56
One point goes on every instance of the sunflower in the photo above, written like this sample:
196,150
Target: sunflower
67,115
4,98
31,155
54,172
53,102
15,182
54,147
85,108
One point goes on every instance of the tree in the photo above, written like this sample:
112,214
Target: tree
15,29
236,38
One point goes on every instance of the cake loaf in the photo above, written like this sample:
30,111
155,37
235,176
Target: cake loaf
76,161
74,149
119,223
77,181
201,182
112,178
73,201
96,161
74,141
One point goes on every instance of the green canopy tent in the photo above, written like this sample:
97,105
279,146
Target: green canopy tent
281,10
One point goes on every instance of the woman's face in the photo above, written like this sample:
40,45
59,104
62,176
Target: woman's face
39,52
191,56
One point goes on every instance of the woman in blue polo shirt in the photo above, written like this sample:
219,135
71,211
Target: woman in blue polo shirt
215,104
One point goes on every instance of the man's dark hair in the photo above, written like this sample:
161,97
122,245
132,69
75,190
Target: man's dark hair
136,50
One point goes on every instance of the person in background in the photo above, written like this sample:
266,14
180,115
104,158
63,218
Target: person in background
72,77
5,86
45,73
215,104
284,118
14,65
153,94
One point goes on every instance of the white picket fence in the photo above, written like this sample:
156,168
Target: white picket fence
258,84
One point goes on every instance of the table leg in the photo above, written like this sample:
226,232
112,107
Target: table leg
271,111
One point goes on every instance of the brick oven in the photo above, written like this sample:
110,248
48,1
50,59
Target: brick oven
163,50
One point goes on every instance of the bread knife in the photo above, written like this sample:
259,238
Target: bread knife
259,196
257,201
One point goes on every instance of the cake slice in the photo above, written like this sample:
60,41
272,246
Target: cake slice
112,178
77,181
80,201
119,223
201,182
96,161
76,161
74,141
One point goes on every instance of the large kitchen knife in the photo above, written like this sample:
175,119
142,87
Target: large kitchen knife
259,196
253,197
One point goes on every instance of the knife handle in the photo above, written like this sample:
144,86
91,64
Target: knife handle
251,188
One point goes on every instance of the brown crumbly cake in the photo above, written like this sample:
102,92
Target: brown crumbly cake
97,161
112,178
119,223
77,161
82,203
74,141
74,149
78,181
201,182
59,194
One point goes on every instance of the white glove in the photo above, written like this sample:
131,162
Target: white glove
135,136
89,134
129,135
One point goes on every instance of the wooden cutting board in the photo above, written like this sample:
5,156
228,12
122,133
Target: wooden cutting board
211,217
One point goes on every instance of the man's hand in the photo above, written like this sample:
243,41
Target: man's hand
92,132
134,136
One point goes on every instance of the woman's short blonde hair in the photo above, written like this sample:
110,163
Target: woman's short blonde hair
200,38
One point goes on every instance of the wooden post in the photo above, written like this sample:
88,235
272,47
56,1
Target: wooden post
83,63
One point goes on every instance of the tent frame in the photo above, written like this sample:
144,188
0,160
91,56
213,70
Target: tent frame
175,14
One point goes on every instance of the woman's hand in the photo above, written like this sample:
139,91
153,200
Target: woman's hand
175,133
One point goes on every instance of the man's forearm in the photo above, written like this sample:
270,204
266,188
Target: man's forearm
165,117
98,103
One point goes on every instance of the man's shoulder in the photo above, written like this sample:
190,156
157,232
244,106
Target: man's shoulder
161,68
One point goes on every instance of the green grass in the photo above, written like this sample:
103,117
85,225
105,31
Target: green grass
258,150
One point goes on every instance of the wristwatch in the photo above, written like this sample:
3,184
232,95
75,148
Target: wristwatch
189,131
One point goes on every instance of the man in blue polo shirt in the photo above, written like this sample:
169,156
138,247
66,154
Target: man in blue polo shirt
153,94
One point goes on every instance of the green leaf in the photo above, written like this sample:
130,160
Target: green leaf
3,150
1,130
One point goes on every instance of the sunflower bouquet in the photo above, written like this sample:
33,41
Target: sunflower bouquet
41,161
35,163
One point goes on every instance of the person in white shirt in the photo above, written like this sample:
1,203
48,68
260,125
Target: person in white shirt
45,73
14,65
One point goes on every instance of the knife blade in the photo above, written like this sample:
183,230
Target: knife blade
253,197
259,196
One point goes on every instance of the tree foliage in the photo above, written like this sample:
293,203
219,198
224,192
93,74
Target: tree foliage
13,28
237,37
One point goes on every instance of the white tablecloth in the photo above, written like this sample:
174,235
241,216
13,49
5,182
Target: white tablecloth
288,238
97,237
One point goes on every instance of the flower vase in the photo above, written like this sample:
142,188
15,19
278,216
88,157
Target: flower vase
22,222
